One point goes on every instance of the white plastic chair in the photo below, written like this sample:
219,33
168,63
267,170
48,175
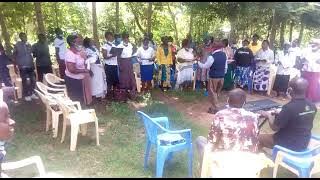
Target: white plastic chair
138,82
16,80
76,117
53,80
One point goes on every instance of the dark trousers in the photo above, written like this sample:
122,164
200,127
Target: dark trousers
111,76
62,68
42,70
28,80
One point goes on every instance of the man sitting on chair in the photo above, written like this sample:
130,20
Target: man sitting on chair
294,122
232,128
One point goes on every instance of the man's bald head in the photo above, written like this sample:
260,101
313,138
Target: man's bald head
299,86
237,97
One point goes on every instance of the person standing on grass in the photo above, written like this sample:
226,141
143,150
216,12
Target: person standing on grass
4,71
22,57
126,76
61,48
286,62
293,124
111,64
311,70
146,57
264,58
218,66
98,80
244,60
164,59
40,51
202,74
185,58
229,77
295,50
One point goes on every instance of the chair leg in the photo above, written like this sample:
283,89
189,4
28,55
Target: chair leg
170,156
147,153
55,123
97,133
190,154
48,120
64,128
275,169
74,136
161,158
304,173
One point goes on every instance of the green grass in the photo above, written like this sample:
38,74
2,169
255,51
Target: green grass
122,146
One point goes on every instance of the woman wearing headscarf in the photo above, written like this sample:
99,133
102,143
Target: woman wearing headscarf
146,56
98,80
185,58
126,75
264,58
164,59
77,77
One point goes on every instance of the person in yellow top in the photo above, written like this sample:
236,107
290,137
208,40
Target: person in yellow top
164,59
255,45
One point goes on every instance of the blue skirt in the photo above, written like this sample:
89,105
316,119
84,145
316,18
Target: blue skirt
146,72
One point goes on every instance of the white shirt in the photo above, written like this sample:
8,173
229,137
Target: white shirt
127,50
312,60
286,62
145,55
112,61
185,54
60,43
295,51
265,55
210,61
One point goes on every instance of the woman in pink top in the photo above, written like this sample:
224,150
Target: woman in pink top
77,77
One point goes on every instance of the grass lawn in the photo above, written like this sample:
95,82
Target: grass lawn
122,146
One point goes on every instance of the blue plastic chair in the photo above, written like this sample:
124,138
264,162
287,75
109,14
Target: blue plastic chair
155,134
303,164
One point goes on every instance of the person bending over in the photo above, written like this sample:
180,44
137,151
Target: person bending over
293,124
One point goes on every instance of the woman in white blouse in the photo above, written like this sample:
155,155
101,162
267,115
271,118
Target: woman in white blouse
126,76
146,56
264,58
185,59
98,80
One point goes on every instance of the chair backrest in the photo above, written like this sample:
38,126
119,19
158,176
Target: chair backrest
64,106
42,97
12,73
45,89
151,126
51,78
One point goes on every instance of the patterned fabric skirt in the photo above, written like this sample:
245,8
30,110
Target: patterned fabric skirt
261,78
281,83
146,72
126,76
229,78
242,76
164,75
202,74
313,91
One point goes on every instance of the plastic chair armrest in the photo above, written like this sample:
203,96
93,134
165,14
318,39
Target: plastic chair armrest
277,148
186,133
163,120
295,158
315,137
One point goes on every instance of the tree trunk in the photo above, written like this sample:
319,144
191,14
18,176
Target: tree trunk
269,28
301,32
56,14
149,23
191,25
282,31
273,29
94,25
291,30
117,17
37,7
4,33
173,17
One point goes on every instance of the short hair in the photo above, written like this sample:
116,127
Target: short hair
41,35
107,33
266,41
256,35
145,39
184,42
57,30
125,35
225,42
22,34
170,39
86,42
71,40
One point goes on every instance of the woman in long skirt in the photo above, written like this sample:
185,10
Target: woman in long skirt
126,75
98,80
264,58
146,56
